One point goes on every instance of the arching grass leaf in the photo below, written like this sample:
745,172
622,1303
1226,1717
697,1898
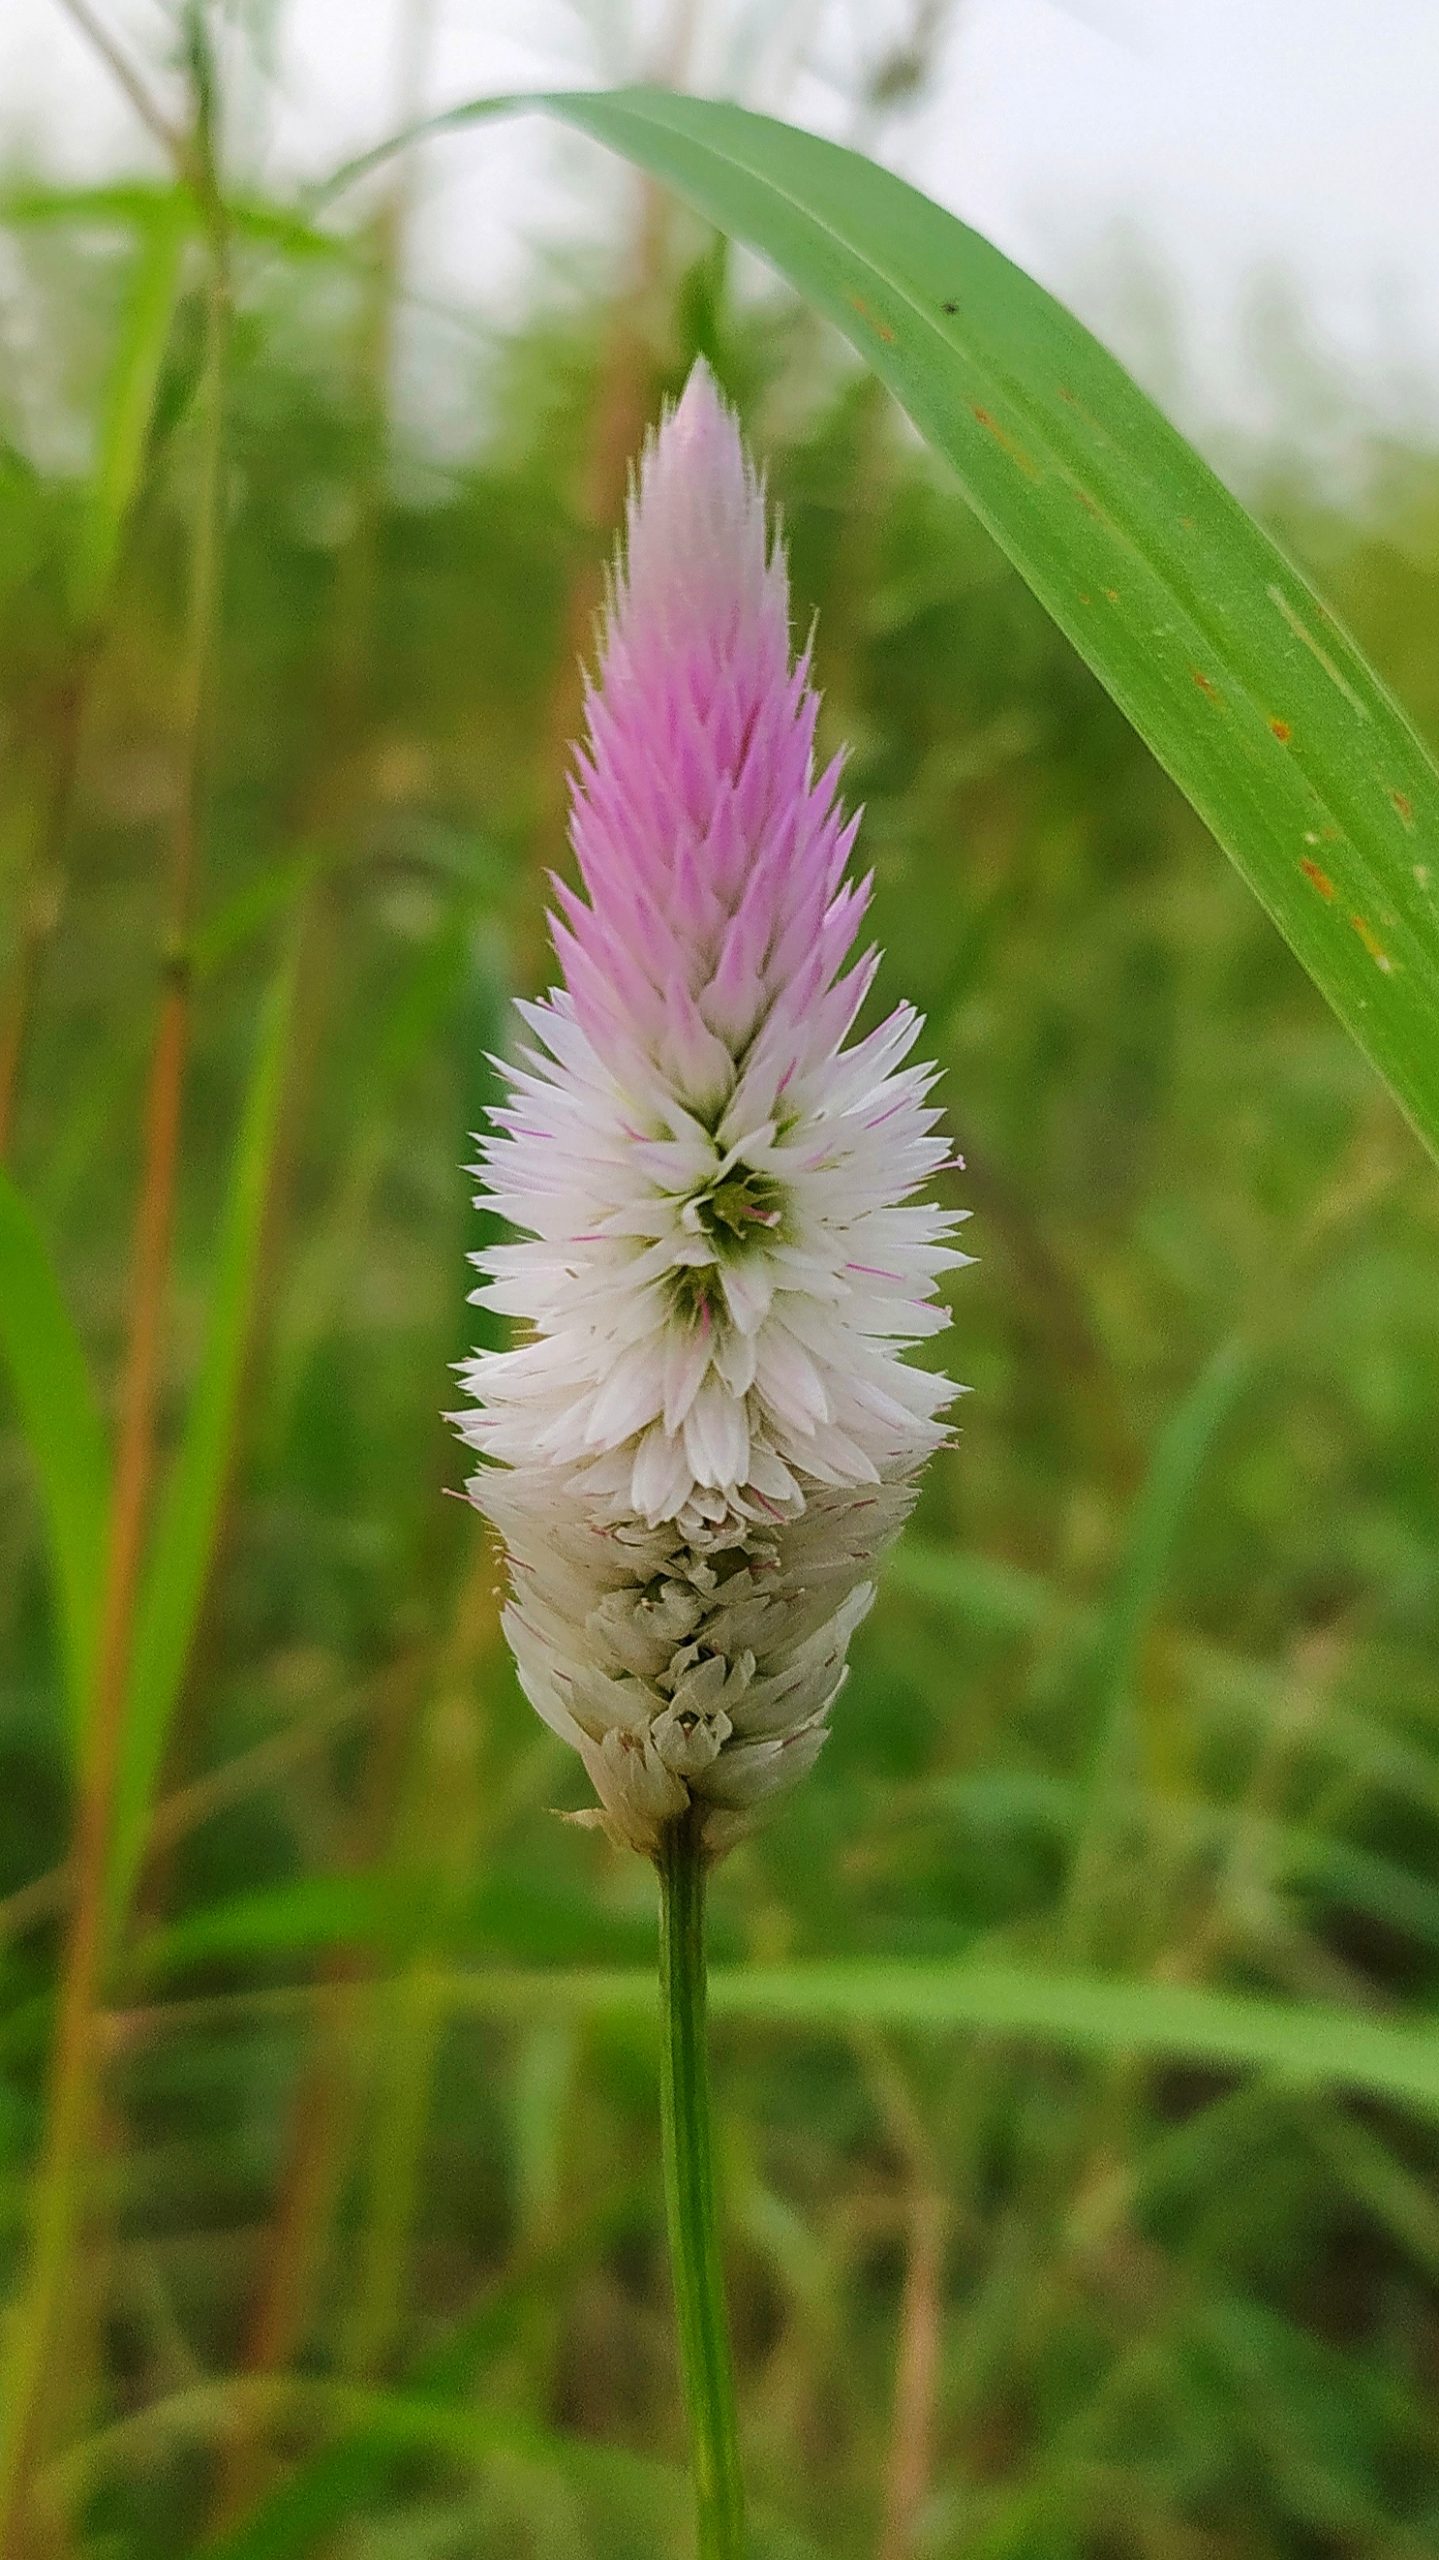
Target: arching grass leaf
1244,686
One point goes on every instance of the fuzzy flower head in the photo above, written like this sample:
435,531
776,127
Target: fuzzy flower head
708,1428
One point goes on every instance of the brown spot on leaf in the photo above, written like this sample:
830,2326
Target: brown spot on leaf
1404,805
1197,676
1111,595
857,303
1372,943
1006,443
1320,879
1282,731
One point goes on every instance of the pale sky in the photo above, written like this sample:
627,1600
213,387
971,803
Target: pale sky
1226,137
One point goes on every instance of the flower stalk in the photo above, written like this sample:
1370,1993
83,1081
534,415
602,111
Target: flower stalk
706,2363
707,1428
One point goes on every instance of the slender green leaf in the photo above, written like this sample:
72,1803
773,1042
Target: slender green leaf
1151,1533
988,1594
302,1916
1153,1529
229,929
121,204
129,408
1241,682
139,204
178,1565
1324,2417
360,2465
234,925
516,1917
1082,2012
64,1433
273,891
996,1599
428,990
1371,2171
292,1918
1032,1803
1301,2044
397,2422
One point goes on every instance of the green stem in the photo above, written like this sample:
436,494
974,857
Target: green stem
690,2199
36,2350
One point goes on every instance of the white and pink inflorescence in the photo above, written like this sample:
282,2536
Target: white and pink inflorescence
709,1430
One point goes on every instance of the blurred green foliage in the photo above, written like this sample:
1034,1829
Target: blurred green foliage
1151,1686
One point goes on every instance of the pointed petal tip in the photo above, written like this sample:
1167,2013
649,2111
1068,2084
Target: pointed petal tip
696,509
702,403
699,431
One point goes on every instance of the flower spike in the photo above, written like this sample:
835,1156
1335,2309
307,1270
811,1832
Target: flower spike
708,1430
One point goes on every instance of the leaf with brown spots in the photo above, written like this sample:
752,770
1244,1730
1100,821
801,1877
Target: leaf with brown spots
966,340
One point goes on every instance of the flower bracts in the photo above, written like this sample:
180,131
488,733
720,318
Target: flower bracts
708,1430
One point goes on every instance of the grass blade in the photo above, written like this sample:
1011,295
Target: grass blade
360,2465
402,2425
1301,2043
1246,689
140,204
129,407
1000,1601
1314,1864
64,1432
1153,1530
178,1565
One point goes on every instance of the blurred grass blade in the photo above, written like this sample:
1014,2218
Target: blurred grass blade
130,405
1151,1535
178,1565
64,1433
998,1601
306,1915
139,204
1153,1529
82,1135
405,2424
428,992
993,1597
1082,2012
1247,691
1029,1804
273,891
360,2465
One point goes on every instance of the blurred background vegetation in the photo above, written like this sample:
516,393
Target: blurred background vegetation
371,2259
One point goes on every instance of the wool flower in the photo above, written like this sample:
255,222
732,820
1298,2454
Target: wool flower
707,1430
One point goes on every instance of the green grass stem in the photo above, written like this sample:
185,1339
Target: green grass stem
706,2364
